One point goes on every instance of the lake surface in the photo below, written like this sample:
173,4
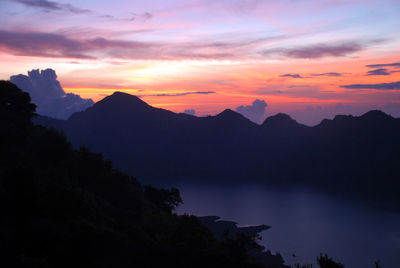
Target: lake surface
304,223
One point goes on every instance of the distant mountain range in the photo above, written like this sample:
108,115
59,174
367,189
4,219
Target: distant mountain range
69,208
359,155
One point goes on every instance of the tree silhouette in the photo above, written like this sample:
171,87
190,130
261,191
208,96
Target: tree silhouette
15,104
325,262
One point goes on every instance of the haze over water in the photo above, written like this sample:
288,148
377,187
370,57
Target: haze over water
304,223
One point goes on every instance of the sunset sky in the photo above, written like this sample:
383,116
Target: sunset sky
308,58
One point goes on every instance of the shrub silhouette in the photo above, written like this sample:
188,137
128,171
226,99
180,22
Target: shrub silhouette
325,262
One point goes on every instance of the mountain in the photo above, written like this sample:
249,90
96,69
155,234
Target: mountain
62,207
152,143
358,155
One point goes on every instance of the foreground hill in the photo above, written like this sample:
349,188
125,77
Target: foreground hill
359,155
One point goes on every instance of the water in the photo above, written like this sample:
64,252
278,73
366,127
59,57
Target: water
304,223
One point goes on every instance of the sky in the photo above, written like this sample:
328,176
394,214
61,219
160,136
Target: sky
311,59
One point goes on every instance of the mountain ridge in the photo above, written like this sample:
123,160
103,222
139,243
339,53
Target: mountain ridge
347,153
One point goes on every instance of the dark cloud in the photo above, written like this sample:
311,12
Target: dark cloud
52,6
292,75
254,112
383,86
379,72
47,93
180,94
190,111
317,51
396,64
328,74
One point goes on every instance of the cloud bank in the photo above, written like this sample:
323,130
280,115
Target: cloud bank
255,112
46,92
58,45
55,45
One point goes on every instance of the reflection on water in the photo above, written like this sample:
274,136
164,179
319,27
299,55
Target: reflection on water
304,224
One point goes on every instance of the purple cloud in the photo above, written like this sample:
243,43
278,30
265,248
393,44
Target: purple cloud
317,51
52,6
328,74
396,64
42,44
255,112
378,72
383,86
46,92
292,75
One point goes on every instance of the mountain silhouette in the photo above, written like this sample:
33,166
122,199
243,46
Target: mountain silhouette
358,155
62,207
280,121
